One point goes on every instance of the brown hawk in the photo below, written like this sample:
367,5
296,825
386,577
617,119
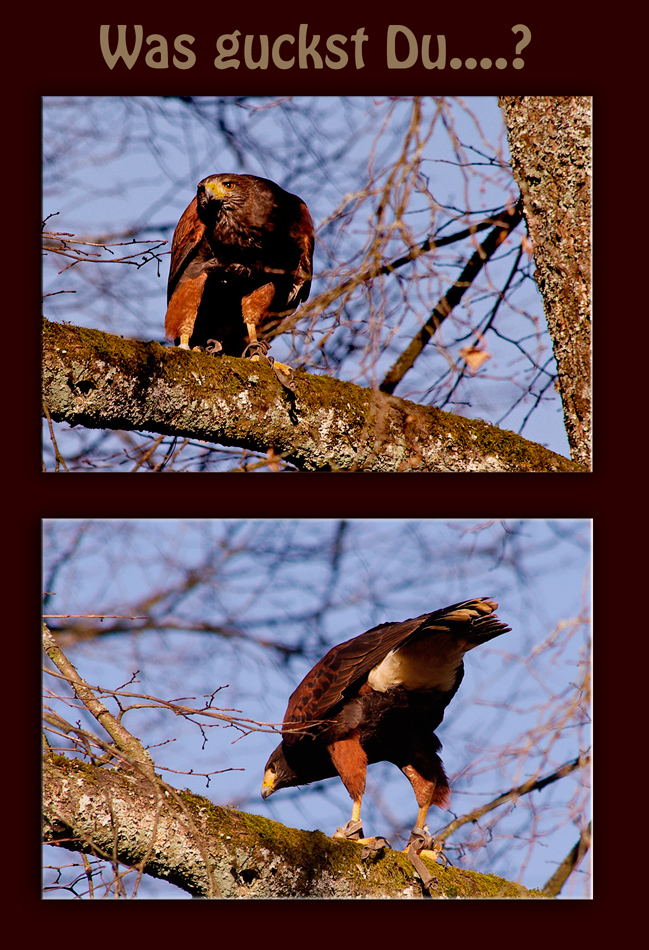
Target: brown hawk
379,698
241,260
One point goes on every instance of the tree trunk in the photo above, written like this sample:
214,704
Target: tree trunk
550,146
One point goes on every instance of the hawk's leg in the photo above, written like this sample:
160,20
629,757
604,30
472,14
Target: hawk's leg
350,761
421,842
254,308
353,830
182,310
428,791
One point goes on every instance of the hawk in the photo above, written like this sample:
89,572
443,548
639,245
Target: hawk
241,260
379,698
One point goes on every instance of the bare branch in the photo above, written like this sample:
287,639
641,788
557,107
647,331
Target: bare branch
569,864
530,786
64,244
123,739
507,222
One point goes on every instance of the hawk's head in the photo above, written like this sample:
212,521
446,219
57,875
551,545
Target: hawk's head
219,192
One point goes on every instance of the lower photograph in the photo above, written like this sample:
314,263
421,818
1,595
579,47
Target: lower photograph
325,709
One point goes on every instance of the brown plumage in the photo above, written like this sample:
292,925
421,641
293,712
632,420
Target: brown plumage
241,260
379,697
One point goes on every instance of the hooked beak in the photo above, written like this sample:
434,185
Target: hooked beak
268,785
217,189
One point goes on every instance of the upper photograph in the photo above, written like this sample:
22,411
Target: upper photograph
316,284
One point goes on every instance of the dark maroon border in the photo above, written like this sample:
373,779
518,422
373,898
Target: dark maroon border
56,52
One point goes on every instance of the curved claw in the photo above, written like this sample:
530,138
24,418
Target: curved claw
256,349
353,831
374,846
284,373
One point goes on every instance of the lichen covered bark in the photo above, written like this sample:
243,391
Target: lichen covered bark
550,145
211,851
98,380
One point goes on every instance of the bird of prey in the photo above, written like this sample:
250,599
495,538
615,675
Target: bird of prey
241,260
379,697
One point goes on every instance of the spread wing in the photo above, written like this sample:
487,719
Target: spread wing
456,629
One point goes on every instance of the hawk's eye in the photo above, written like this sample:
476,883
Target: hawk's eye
228,184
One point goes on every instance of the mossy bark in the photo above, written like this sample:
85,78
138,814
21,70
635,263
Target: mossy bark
215,852
98,380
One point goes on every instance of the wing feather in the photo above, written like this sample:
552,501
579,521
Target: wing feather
186,240
346,664
301,233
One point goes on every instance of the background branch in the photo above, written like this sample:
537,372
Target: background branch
514,793
570,863
507,222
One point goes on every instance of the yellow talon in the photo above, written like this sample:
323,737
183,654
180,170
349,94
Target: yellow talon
283,368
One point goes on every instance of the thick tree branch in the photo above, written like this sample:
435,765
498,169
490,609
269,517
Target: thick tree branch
125,817
98,380
118,816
